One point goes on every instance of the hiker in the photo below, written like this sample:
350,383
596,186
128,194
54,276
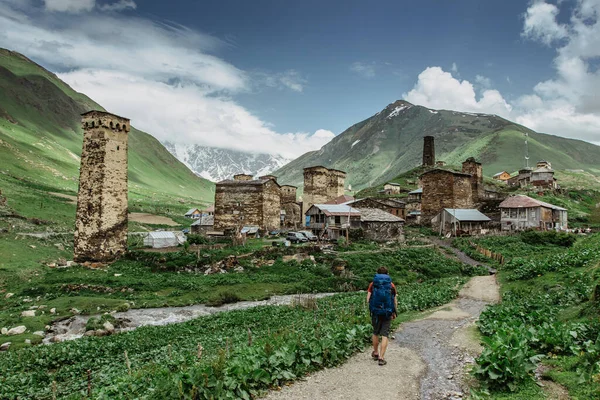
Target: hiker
383,304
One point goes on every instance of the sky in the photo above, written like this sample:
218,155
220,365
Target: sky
285,77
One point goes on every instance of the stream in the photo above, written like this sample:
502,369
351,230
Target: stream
74,327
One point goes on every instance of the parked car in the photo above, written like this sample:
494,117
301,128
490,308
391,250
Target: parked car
296,237
309,235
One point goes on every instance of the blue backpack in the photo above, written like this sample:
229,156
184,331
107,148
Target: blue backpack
381,303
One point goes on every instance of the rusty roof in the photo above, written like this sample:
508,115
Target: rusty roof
522,201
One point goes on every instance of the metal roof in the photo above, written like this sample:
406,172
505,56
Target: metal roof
191,211
377,215
393,184
500,173
249,229
467,214
522,201
336,209
418,191
161,235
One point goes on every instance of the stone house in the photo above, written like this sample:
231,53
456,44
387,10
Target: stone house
392,206
380,226
392,188
502,176
522,212
203,225
291,209
331,220
456,221
543,178
445,189
521,179
243,201
101,219
321,185
412,212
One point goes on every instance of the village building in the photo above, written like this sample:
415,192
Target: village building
440,163
101,219
543,177
291,209
244,201
321,185
460,221
210,210
445,189
203,225
522,212
380,226
543,164
332,220
392,206
502,176
474,168
392,188
412,211
521,179
193,213
428,151
343,199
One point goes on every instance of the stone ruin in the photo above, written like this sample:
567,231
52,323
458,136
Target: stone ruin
101,222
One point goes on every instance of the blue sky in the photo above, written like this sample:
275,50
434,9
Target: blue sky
284,77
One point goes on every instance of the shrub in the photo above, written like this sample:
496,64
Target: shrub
193,238
549,237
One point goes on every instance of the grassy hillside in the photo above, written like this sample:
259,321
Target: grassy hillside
41,140
390,143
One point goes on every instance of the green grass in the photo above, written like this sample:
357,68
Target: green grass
41,140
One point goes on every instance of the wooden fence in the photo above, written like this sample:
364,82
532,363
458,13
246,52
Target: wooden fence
488,253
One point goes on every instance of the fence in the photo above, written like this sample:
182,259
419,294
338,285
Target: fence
488,253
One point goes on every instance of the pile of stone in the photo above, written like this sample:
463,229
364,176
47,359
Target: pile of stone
93,288
229,264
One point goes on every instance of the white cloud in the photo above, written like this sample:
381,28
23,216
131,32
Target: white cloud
70,6
186,114
160,75
567,105
483,81
540,23
290,79
119,6
366,70
436,88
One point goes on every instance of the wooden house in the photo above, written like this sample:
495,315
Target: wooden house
332,220
502,176
522,212
193,213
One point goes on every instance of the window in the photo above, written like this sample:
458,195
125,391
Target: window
338,219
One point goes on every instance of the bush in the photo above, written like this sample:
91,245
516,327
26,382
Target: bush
225,297
193,238
549,237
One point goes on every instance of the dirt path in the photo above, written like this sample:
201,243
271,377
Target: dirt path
145,218
426,360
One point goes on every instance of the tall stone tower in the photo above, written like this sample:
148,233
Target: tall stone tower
472,167
321,185
101,222
428,151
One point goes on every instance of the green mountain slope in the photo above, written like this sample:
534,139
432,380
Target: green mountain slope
41,140
391,142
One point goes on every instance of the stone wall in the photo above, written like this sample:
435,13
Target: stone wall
293,215
101,220
241,203
288,194
321,185
473,168
379,231
444,189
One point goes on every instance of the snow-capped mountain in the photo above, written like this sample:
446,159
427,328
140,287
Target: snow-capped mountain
217,164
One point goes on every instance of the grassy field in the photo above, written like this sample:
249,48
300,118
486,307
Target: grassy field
548,317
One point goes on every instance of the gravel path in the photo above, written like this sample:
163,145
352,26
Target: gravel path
426,360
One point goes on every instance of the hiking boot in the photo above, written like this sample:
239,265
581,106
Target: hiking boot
375,356
382,361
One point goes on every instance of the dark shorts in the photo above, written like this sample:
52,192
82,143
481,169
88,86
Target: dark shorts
381,325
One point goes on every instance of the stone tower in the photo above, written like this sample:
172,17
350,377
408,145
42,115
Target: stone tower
101,222
428,151
321,185
473,168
